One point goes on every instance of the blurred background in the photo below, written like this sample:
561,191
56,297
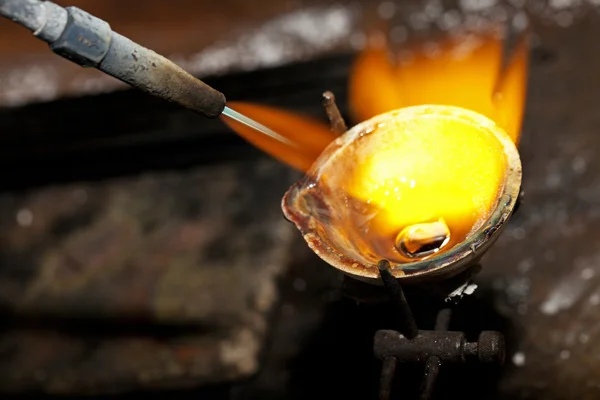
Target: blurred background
143,250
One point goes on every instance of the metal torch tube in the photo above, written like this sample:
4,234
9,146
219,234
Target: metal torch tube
90,42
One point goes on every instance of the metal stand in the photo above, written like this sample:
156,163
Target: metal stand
432,348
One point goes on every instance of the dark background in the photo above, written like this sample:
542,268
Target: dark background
540,283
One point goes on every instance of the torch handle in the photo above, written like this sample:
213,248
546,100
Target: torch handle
90,42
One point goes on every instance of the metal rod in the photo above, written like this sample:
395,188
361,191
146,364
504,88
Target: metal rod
432,370
336,121
406,321
448,346
442,320
388,371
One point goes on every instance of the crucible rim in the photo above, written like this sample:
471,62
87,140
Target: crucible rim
444,265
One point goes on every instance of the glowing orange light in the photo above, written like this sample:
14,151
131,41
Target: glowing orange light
308,137
436,173
464,71
427,163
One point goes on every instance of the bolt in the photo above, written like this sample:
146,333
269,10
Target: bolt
491,347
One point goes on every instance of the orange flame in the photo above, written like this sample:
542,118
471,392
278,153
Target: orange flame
308,137
463,71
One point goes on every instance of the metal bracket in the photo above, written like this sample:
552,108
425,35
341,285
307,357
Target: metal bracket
465,290
433,348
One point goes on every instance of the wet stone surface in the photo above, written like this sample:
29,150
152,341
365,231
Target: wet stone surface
142,282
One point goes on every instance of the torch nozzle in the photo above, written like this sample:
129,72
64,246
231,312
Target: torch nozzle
249,122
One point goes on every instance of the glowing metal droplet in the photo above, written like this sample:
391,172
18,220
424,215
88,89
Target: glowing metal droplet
421,240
